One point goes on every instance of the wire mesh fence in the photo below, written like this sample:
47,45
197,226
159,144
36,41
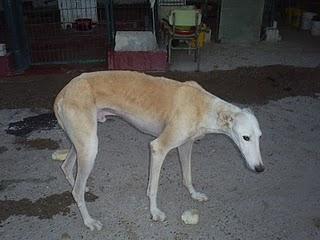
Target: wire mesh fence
133,17
3,29
77,31
66,31
172,2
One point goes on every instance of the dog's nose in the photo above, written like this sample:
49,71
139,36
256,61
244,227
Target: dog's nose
259,168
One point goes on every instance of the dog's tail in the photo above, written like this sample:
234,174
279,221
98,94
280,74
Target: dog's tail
57,108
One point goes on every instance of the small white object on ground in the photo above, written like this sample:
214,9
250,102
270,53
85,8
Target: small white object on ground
60,155
190,216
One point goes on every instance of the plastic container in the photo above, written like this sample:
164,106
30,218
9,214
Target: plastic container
3,50
315,28
306,20
202,39
293,16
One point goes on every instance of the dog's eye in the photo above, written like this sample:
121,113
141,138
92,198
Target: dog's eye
246,138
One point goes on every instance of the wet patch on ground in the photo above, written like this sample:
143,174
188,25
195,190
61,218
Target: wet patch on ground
38,143
22,128
43,208
316,222
3,149
4,184
256,84
243,85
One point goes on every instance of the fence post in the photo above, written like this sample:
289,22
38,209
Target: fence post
111,23
17,36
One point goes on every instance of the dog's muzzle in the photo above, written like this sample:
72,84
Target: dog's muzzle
259,168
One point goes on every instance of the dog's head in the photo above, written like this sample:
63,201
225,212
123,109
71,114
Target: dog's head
243,128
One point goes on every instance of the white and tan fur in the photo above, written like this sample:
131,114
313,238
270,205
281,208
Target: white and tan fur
175,113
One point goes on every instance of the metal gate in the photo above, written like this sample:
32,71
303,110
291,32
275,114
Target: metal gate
66,31
125,15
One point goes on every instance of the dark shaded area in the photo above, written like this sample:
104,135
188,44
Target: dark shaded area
255,85
45,121
43,208
38,143
316,222
3,149
11,183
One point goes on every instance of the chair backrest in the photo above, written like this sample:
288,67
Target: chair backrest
185,17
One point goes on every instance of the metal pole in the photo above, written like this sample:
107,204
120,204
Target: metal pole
17,35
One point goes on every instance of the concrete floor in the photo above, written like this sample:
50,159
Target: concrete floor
281,203
297,48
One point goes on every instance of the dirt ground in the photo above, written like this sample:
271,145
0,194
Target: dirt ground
243,85
282,203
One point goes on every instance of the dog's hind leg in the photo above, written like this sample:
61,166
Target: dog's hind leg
68,164
82,132
185,151
86,155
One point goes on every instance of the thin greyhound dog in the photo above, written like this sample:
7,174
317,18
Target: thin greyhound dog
175,113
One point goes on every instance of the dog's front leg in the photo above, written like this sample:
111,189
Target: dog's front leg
157,157
170,138
185,151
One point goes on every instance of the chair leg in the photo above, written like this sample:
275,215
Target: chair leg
196,50
198,59
169,50
197,55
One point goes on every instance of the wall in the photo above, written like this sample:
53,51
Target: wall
240,21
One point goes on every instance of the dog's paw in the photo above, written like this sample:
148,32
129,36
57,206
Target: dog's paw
201,197
93,224
158,215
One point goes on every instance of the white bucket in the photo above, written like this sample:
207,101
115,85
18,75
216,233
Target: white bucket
3,50
272,35
315,28
307,20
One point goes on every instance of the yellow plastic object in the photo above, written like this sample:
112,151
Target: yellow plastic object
60,155
294,16
201,40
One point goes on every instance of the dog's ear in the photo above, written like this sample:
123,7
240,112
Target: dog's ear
248,110
225,119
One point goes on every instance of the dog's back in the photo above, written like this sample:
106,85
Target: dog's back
129,94
133,91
